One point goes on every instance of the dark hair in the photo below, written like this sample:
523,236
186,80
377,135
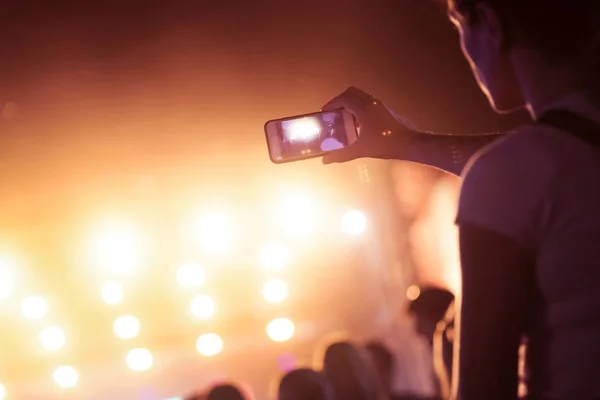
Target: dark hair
351,374
432,303
562,31
225,392
304,384
383,361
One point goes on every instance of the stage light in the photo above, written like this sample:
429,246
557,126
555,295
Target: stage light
190,276
117,250
52,338
139,360
7,280
209,344
202,307
215,232
34,307
298,215
112,293
280,329
2,392
275,291
274,256
126,327
354,223
413,292
66,376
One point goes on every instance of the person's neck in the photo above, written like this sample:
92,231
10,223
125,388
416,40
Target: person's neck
542,83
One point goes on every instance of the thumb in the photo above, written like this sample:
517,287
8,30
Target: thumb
342,155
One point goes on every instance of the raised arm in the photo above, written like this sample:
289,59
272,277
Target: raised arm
386,135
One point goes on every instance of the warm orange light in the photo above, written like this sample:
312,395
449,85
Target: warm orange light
280,329
126,327
7,280
214,232
52,338
209,344
34,307
66,376
139,360
202,307
190,276
298,214
354,223
413,292
274,256
112,293
2,392
117,250
275,291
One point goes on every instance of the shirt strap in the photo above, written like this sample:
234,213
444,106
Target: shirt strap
573,123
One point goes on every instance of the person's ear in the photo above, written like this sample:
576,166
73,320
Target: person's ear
490,23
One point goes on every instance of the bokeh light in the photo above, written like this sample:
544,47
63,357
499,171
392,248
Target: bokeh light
413,292
66,376
354,223
298,214
112,293
7,280
274,256
117,250
34,307
214,232
280,329
202,306
275,291
190,276
52,338
126,327
2,392
139,359
209,344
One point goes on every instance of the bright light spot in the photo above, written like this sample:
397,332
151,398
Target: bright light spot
190,276
202,307
117,250
298,214
66,377
2,392
34,307
209,344
280,329
52,338
215,232
304,129
126,327
139,359
275,291
413,292
354,223
112,293
7,280
274,256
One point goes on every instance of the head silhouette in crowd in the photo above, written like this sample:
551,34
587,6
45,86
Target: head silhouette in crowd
428,309
304,384
351,373
226,392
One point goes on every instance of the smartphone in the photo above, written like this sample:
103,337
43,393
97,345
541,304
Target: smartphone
310,135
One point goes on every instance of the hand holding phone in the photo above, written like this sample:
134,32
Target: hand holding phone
309,136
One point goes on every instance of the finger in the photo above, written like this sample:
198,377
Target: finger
352,99
340,156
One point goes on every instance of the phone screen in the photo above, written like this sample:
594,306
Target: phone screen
308,136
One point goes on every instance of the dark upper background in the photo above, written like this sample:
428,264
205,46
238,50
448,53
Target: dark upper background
129,86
